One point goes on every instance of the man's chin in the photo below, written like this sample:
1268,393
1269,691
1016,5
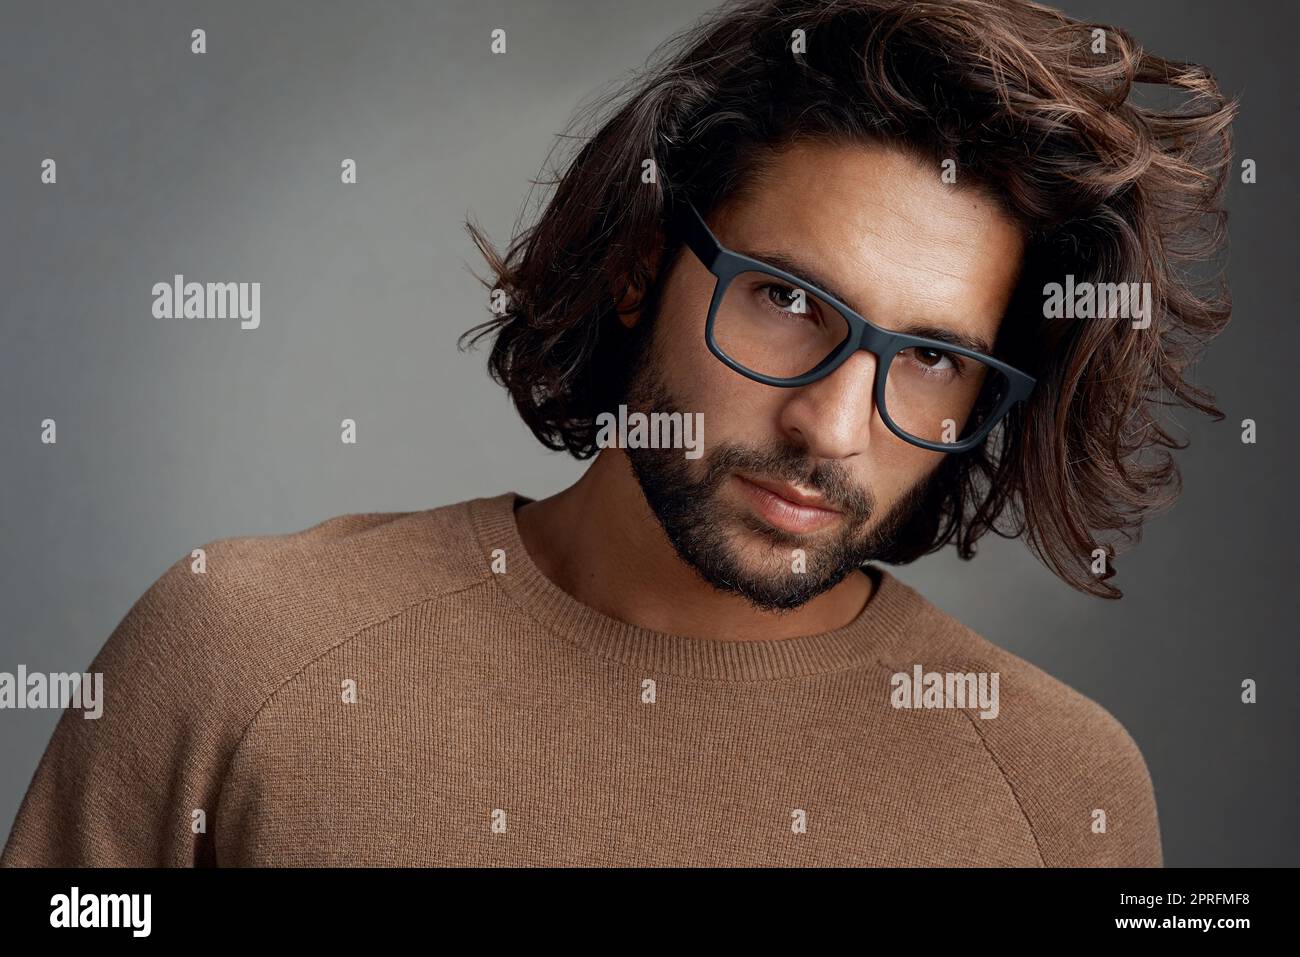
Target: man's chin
775,591
773,569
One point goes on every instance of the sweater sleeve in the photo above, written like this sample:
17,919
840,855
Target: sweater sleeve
1079,779
137,786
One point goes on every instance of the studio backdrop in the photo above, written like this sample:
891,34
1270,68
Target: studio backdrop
230,166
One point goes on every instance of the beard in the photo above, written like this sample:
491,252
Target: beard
707,532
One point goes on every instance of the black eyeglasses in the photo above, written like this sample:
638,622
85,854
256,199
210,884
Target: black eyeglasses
774,328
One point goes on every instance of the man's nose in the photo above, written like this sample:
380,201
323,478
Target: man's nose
832,417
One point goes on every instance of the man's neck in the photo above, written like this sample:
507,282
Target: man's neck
600,542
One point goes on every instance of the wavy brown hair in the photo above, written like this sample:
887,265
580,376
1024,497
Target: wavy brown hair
1113,159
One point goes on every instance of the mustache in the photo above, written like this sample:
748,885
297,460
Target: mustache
789,464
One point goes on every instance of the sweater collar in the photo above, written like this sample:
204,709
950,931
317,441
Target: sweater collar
890,614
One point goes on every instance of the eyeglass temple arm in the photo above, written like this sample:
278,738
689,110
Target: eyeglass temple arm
688,223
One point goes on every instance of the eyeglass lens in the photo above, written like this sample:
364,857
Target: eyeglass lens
773,328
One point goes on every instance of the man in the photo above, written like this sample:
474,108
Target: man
796,297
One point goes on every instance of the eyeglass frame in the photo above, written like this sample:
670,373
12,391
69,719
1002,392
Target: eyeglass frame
726,264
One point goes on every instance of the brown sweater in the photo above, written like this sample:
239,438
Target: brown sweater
497,721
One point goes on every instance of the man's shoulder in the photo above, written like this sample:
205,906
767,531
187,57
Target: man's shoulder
199,654
235,617
364,560
1041,705
340,573
1072,765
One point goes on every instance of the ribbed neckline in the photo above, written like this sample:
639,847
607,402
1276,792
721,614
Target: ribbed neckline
891,610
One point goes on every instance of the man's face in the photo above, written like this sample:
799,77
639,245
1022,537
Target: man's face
798,487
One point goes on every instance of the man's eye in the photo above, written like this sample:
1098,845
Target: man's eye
785,297
933,359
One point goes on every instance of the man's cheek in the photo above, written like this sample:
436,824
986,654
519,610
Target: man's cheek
736,416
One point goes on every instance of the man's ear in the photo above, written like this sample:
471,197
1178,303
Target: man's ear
628,308
628,302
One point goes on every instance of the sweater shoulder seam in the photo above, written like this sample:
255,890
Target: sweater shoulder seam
334,646
1038,845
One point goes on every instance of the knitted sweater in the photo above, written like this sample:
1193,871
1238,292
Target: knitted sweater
408,688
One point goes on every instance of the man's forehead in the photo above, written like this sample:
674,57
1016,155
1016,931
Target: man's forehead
869,196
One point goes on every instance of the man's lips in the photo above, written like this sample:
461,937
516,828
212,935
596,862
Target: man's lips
786,507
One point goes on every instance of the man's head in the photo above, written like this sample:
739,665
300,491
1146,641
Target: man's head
929,163
880,230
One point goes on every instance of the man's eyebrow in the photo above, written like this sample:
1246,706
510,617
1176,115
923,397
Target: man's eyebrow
927,331
809,275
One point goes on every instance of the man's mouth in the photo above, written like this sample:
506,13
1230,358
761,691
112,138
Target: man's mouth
787,507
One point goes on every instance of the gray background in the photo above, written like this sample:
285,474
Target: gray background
226,167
